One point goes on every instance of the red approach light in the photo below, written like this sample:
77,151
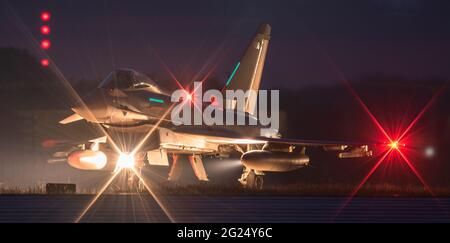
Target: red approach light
45,44
45,30
45,16
45,62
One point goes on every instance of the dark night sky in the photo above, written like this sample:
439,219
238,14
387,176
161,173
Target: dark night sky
405,38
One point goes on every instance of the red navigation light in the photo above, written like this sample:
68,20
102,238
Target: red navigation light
45,62
45,44
394,145
45,16
45,30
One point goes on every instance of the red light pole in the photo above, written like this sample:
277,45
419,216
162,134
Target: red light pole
45,32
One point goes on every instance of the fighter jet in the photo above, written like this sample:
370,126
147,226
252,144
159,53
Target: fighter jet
129,102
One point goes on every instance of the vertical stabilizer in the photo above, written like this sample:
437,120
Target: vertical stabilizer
248,71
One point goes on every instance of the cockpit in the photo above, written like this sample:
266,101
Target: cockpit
128,79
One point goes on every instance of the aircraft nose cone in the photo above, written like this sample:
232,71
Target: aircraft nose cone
95,107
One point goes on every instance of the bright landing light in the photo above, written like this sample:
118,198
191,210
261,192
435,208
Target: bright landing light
125,161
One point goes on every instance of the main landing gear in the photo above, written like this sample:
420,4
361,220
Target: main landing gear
252,179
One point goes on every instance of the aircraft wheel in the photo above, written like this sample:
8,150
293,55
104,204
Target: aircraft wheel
259,182
254,181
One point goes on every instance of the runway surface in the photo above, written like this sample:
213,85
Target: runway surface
233,209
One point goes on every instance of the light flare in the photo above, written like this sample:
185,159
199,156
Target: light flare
394,145
125,161
422,112
45,16
357,97
94,200
418,175
108,183
141,179
164,65
150,132
363,181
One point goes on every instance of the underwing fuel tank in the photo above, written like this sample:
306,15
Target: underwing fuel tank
87,160
263,160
